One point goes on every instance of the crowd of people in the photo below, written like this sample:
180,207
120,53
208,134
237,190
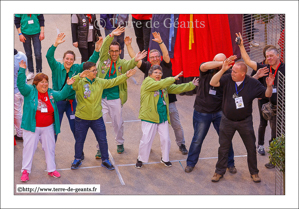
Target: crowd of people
88,93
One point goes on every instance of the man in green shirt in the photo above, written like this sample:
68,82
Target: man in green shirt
111,66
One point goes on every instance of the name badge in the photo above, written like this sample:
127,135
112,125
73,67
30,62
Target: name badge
44,109
274,90
212,92
239,102
90,27
72,117
164,102
30,22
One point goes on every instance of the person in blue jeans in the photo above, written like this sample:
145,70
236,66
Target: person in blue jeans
109,23
62,71
89,89
31,30
207,110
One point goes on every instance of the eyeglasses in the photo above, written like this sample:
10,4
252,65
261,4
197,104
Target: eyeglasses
155,57
116,51
93,71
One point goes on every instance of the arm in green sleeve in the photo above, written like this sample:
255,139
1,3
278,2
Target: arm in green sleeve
153,85
93,58
64,93
23,87
105,48
114,82
54,65
75,84
128,65
177,89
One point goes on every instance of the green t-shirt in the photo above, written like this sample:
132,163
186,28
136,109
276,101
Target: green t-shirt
111,93
29,24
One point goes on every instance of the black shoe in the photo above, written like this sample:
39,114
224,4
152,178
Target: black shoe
183,149
232,170
167,164
138,164
18,138
269,165
188,169
261,150
107,165
76,164
82,157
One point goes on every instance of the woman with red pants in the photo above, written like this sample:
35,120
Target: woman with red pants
40,119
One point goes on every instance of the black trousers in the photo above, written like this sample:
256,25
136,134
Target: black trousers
263,125
86,53
226,132
142,30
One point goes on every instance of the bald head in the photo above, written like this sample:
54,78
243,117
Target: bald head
242,66
220,57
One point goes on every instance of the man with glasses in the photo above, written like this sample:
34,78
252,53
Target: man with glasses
111,66
155,59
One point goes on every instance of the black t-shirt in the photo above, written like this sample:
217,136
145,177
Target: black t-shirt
208,98
167,72
263,79
252,89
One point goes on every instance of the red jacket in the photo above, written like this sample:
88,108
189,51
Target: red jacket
142,16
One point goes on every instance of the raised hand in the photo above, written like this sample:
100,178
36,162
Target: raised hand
59,39
75,44
178,75
270,79
195,81
262,72
70,81
128,40
228,63
240,36
157,38
98,44
140,55
22,64
130,72
119,30
85,73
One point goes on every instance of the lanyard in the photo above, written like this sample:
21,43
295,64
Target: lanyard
275,70
237,87
89,17
161,93
71,102
111,67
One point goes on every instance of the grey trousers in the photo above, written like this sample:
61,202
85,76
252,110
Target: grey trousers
176,124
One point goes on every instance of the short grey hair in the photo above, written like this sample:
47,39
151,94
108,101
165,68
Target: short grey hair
153,68
154,50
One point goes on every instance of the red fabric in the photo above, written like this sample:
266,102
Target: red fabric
89,17
44,119
281,45
211,36
15,143
142,16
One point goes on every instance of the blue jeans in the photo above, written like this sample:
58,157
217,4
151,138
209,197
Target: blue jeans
37,52
120,39
65,106
99,130
201,125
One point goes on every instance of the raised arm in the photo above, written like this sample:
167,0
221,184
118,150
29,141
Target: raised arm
118,80
157,38
269,81
216,78
244,54
130,49
210,65
23,87
261,73
184,87
54,65
64,93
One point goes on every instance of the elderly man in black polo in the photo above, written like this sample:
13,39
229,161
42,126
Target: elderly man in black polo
239,90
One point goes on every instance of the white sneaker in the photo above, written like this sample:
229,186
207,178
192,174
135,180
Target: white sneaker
253,43
30,76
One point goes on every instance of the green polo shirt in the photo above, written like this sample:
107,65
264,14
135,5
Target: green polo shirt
29,25
162,110
111,93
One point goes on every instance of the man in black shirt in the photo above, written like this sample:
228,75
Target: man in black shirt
239,90
155,59
207,110
274,65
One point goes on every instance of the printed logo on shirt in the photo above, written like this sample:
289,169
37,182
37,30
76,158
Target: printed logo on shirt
156,93
119,69
86,91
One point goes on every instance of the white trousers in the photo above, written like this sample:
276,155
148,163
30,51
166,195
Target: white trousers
30,139
114,109
149,131
18,113
176,124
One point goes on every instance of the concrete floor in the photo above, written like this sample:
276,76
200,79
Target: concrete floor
153,178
